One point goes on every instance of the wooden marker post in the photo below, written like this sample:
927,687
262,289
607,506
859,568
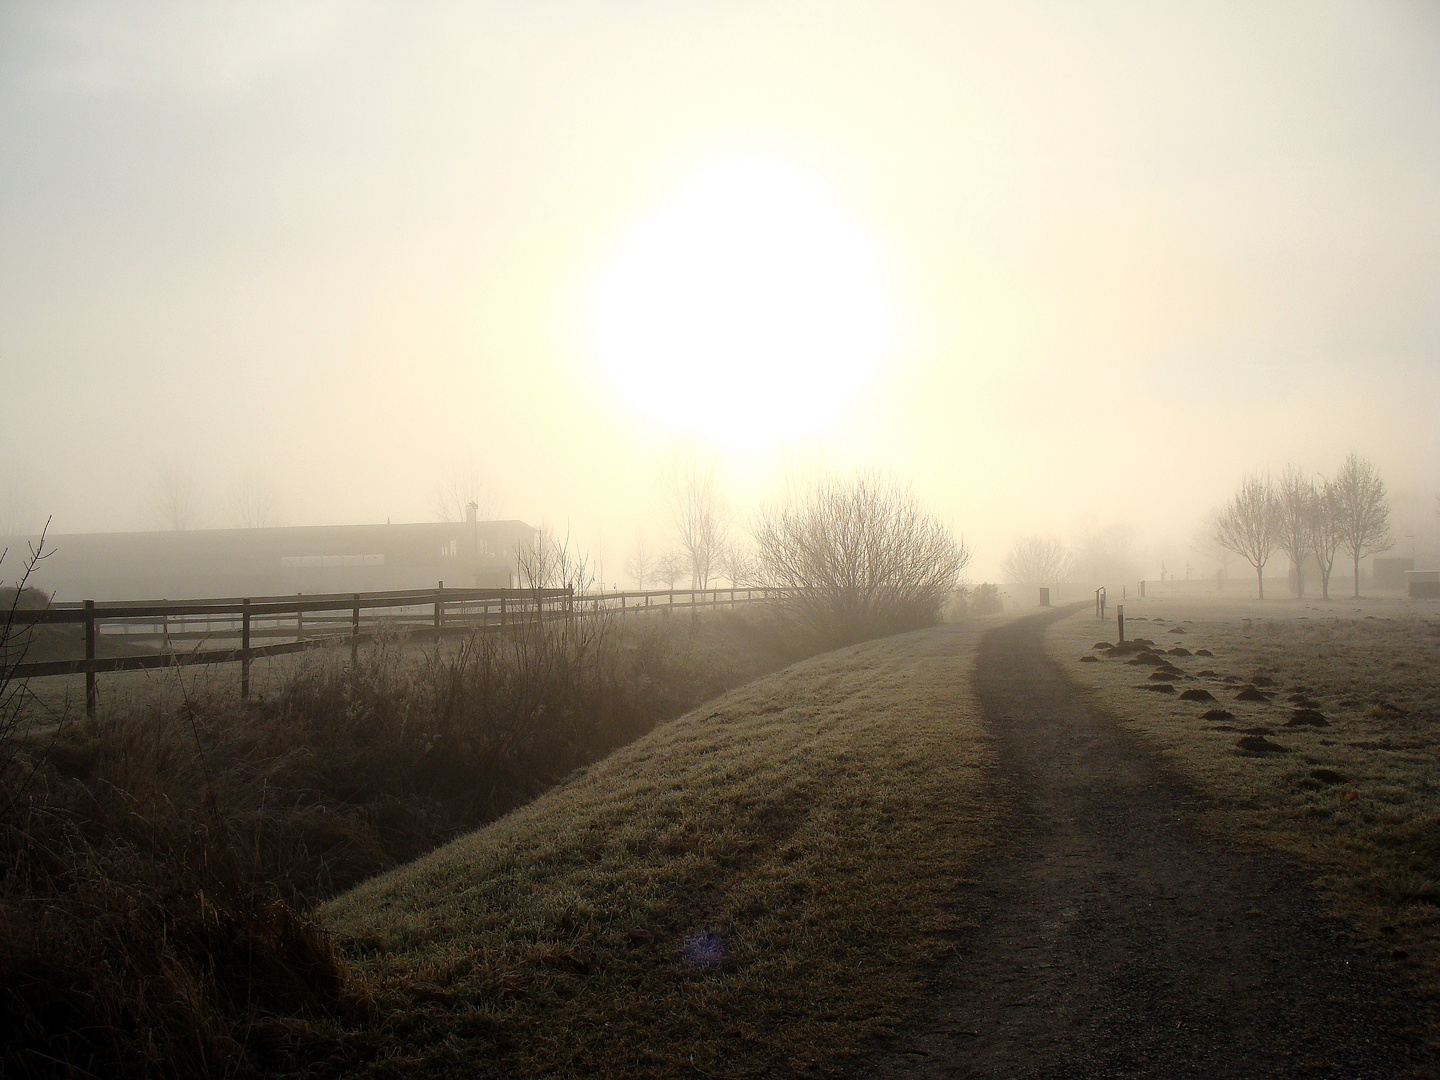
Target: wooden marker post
244,650
90,693
1120,619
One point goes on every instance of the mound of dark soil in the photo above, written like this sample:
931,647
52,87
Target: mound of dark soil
1208,674
1162,676
1143,641
1102,645
1258,729
1383,709
1327,776
1089,659
1176,630
1258,744
1261,680
1196,694
1217,714
1230,679
1159,687
1178,651
1203,652
1251,694
1307,718
1145,659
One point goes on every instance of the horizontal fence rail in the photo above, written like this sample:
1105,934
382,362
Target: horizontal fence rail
305,621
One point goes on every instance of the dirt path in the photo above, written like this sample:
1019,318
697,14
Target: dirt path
1122,941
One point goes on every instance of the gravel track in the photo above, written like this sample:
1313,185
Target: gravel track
1119,939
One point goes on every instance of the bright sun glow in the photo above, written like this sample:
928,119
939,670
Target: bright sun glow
748,307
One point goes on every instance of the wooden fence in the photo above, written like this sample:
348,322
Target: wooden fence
306,621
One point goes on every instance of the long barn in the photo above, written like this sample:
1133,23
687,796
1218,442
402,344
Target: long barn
276,561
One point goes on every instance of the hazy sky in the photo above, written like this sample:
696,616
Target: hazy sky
1076,262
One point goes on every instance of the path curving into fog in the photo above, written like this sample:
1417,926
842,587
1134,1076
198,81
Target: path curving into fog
1120,940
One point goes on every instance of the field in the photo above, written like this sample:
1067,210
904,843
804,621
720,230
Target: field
754,889
1322,740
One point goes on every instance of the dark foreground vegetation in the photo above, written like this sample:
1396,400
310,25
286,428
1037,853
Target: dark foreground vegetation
158,864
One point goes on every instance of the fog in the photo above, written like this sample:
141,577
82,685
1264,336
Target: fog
1107,258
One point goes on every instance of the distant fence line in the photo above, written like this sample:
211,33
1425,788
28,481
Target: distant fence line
308,621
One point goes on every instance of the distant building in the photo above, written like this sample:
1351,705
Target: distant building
277,562
1389,573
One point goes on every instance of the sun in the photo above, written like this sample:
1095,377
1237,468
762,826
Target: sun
748,307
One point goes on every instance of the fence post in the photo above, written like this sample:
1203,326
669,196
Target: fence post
1120,619
90,694
502,613
570,604
439,605
244,650
299,618
355,628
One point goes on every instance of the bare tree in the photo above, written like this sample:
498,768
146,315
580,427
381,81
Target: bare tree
858,559
695,504
1295,520
641,564
1204,544
1363,511
1034,560
1247,526
1325,531
463,485
738,565
253,501
177,504
669,568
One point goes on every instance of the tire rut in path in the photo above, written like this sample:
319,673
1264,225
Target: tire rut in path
1118,939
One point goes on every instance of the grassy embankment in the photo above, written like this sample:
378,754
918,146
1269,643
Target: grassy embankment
1340,761
754,889
157,863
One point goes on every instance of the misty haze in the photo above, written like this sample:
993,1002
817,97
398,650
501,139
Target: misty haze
720,539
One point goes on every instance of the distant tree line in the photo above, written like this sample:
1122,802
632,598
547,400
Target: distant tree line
1303,516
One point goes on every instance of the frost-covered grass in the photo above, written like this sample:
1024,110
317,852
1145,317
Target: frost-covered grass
1356,800
753,889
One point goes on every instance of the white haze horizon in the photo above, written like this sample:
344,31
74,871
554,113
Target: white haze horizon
1120,255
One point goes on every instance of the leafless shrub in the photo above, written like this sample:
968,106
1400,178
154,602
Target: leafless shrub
178,503
1034,560
254,503
18,762
859,559
977,600
465,485
546,562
